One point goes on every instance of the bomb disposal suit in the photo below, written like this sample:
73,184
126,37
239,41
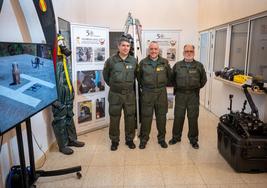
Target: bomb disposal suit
63,123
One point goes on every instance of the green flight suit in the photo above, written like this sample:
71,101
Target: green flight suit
120,76
153,77
63,123
188,78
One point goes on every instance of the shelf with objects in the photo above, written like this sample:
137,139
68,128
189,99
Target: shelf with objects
236,78
238,85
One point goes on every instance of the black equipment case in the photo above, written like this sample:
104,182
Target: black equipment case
243,154
242,138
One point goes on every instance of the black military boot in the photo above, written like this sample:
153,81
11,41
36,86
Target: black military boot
76,143
114,146
142,145
66,150
163,144
174,141
130,144
195,145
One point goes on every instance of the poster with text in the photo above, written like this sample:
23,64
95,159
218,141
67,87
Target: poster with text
90,50
168,41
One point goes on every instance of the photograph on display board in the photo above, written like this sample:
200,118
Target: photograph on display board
84,54
84,111
99,54
100,108
90,81
170,100
171,54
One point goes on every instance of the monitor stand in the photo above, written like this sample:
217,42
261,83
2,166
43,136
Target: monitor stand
27,179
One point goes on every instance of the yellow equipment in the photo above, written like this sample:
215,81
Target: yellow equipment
241,79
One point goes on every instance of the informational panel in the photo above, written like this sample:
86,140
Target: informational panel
90,49
168,41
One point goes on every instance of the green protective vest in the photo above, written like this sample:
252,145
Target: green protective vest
120,73
189,76
154,74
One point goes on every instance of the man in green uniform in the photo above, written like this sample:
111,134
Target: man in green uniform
63,123
153,74
189,77
119,73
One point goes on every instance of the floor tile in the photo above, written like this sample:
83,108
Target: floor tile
143,176
219,173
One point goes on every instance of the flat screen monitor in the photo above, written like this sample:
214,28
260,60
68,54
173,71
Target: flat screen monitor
27,82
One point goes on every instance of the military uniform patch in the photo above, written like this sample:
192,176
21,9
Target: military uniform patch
129,66
160,68
192,71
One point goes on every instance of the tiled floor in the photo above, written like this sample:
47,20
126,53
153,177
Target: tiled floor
178,166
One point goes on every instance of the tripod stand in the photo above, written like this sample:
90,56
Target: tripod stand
134,26
29,180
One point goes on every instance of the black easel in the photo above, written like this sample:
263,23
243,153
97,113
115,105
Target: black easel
28,181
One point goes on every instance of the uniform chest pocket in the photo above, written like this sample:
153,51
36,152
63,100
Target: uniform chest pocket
162,76
181,78
118,72
148,75
194,78
129,73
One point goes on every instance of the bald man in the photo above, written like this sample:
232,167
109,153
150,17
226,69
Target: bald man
153,74
188,77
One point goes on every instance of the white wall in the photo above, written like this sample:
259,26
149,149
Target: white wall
214,13
155,14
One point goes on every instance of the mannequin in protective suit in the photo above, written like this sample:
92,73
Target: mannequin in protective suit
63,123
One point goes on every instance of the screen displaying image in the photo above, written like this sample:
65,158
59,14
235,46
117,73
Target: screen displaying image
84,111
27,82
100,108
90,81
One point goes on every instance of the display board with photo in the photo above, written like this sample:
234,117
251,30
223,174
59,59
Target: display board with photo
100,108
90,50
171,54
84,111
84,54
168,41
99,54
90,81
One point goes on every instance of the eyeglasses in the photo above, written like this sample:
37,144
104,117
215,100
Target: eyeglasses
189,51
